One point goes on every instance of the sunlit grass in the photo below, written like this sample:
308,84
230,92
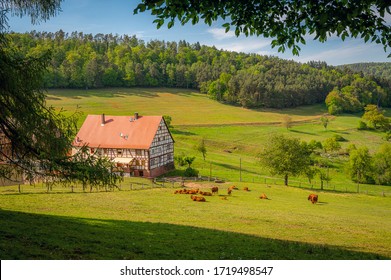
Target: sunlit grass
347,222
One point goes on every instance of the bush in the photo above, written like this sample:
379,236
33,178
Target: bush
362,125
191,172
339,138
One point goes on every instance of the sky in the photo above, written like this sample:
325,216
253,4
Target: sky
116,17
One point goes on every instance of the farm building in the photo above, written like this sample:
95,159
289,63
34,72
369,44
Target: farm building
140,145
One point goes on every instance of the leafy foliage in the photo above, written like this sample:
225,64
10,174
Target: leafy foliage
360,165
382,165
286,156
375,117
286,21
35,139
104,60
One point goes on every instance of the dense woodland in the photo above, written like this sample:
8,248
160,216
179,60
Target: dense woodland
105,60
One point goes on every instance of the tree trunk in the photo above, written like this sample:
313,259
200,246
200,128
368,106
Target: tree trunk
286,179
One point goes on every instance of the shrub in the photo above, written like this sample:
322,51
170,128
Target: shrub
339,138
362,125
191,172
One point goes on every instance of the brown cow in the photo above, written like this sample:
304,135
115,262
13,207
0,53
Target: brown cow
214,190
263,196
246,189
198,198
205,193
229,191
232,188
194,191
313,198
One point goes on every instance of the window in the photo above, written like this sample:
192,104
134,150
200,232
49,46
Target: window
138,152
119,152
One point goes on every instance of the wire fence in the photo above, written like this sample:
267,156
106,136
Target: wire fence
178,182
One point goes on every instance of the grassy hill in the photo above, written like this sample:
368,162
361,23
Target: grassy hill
143,224
233,135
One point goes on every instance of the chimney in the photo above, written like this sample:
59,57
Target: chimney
135,116
103,120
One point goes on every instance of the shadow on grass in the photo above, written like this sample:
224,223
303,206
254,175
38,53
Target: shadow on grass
37,236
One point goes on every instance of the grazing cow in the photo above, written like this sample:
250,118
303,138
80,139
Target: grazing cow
246,189
198,198
263,196
214,190
205,193
313,198
232,188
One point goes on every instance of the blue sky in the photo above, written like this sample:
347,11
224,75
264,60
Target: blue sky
116,16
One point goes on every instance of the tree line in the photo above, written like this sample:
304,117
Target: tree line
87,61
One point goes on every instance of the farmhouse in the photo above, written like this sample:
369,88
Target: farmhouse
140,145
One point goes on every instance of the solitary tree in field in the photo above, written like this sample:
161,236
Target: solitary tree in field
201,147
285,156
325,121
287,122
287,21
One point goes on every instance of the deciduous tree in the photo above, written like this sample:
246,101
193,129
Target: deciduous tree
286,156
287,21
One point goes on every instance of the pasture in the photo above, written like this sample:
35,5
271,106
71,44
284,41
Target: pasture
145,223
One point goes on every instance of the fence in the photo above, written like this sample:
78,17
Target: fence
327,186
178,182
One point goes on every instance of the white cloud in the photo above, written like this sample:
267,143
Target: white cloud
341,54
247,45
220,34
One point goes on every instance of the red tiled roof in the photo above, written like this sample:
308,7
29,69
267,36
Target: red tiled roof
118,132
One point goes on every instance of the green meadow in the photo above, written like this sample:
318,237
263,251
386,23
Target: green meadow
144,223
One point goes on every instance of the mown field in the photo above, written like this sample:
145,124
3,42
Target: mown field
144,223
158,224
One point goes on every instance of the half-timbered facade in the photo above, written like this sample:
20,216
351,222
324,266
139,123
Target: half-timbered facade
139,145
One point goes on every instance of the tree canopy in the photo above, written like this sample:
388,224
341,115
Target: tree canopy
286,156
35,138
287,21
86,61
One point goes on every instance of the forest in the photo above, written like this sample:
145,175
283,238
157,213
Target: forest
87,61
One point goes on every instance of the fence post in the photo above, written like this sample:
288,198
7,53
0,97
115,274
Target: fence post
19,188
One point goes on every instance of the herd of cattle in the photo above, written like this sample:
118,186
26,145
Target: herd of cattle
215,190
